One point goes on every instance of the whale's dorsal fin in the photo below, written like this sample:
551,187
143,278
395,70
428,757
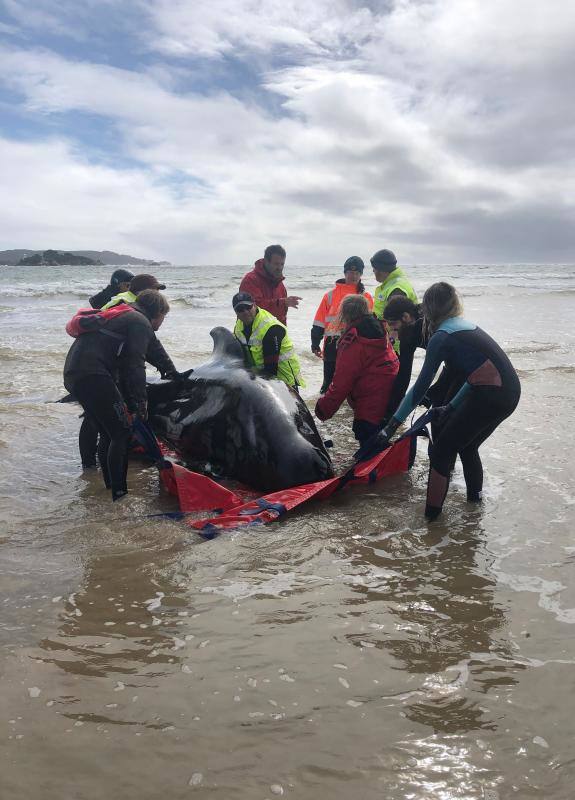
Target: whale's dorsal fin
226,346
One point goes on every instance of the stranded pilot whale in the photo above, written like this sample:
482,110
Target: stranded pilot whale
247,426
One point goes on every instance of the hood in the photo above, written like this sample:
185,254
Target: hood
261,270
370,328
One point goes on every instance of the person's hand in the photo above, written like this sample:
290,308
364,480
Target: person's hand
142,410
292,301
316,351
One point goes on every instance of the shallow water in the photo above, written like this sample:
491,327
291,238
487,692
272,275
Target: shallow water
349,650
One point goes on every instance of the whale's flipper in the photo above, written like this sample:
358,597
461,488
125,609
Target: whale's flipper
226,346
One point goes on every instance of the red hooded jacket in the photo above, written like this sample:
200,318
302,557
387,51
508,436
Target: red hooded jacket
267,293
365,371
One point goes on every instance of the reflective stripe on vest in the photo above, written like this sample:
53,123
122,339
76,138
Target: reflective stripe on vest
395,280
288,365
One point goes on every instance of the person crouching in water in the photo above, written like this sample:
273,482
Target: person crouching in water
94,363
489,394
325,323
265,341
365,369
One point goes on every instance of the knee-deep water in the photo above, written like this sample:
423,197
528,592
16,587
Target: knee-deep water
348,650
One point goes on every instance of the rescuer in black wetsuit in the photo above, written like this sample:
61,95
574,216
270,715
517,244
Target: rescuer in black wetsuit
404,320
98,360
88,436
490,393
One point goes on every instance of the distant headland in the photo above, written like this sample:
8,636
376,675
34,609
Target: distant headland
53,258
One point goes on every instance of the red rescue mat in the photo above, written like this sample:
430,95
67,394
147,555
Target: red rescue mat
197,492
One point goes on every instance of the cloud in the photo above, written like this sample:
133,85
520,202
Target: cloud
447,124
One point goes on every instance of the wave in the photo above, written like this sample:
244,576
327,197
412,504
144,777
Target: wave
196,301
523,349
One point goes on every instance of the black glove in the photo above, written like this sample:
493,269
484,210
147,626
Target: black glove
142,409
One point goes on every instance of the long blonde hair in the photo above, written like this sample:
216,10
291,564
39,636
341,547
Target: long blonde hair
352,308
440,302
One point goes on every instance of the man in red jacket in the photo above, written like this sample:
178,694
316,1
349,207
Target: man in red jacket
266,286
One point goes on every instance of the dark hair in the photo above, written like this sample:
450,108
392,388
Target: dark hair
440,302
274,250
398,306
360,288
152,303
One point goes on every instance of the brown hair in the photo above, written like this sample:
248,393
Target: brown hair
440,302
152,303
352,308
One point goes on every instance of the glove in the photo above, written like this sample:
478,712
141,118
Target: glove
142,410
316,351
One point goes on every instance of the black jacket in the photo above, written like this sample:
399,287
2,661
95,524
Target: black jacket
123,355
103,297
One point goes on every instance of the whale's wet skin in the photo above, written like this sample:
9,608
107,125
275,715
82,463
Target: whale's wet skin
242,425
346,651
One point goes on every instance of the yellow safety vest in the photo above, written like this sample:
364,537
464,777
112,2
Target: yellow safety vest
288,367
395,280
123,297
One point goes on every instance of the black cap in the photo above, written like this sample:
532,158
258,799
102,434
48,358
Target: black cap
120,276
242,301
383,259
144,281
354,262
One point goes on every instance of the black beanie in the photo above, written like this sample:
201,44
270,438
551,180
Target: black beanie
384,259
354,262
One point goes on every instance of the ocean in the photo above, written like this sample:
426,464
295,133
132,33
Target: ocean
348,650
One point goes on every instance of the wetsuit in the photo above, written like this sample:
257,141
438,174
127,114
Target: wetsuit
93,366
490,393
410,339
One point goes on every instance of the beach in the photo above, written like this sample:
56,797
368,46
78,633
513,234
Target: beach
348,650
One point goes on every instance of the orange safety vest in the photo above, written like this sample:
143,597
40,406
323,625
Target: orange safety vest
326,314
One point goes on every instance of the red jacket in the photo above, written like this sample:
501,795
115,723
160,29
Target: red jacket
365,370
267,293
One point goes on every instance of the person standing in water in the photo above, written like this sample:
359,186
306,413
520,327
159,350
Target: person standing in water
365,369
325,322
265,283
489,394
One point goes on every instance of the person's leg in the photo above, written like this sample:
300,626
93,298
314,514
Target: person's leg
494,412
329,357
100,397
88,441
364,430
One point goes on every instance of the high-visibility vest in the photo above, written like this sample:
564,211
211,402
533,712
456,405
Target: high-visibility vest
123,297
326,314
395,280
288,367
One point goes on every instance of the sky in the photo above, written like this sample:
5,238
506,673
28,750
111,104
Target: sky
200,131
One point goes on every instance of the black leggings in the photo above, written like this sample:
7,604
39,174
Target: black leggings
103,403
466,428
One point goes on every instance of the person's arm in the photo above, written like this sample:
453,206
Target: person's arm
103,297
158,358
433,359
139,333
318,327
271,345
400,385
347,369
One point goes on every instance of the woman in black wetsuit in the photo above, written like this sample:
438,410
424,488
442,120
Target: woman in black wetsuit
489,393
117,353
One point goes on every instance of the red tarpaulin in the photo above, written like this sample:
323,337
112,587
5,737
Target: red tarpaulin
197,492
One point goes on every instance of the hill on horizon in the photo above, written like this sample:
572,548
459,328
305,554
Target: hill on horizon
106,257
